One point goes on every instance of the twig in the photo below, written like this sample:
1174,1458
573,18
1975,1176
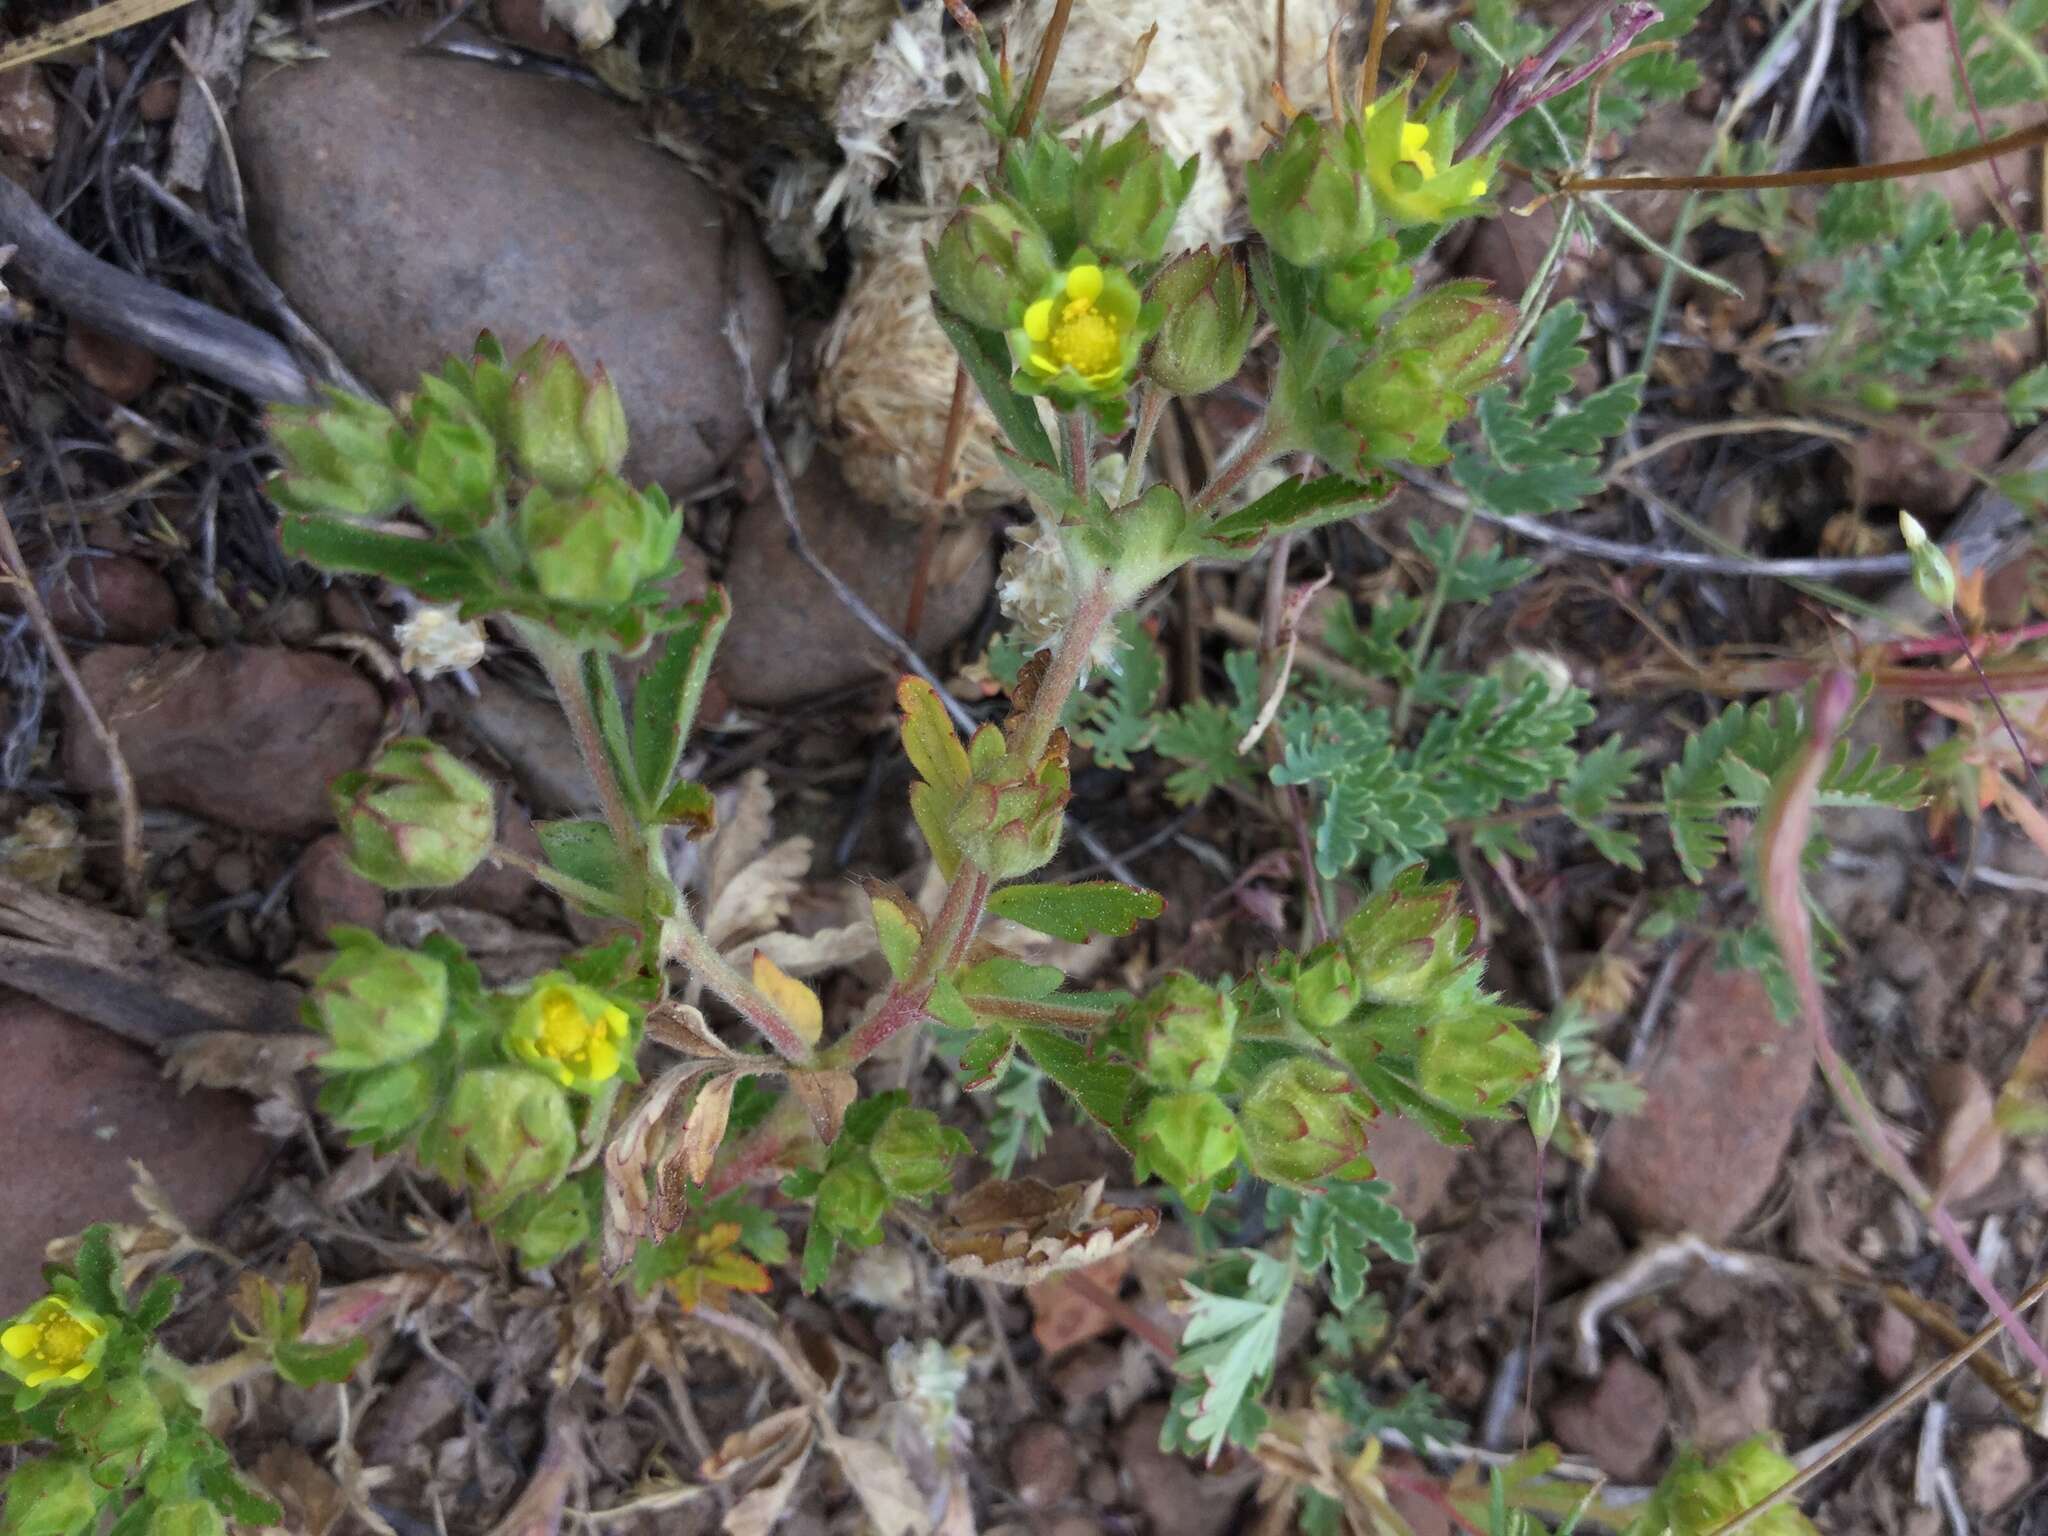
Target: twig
130,808
785,498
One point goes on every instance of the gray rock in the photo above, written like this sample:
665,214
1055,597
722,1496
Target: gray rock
790,638
406,202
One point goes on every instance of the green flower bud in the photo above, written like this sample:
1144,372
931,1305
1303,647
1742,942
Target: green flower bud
376,1003
415,817
851,1199
1932,573
566,429
1695,1498
545,1227
381,1108
988,264
448,462
1041,172
1402,404
596,549
1304,1123
1308,195
1182,1030
914,1153
187,1517
1127,195
1358,292
505,1131
51,1497
1009,818
1188,1139
1205,324
340,459
1405,941
119,1426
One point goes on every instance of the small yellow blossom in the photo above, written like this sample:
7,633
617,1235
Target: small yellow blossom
53,1341
1081,336
571,1032
1415,147
1413,166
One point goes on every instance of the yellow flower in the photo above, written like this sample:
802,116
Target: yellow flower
1416,177
1081,336
573,1033
53,1341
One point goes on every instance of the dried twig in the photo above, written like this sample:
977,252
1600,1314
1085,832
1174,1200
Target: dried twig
53,647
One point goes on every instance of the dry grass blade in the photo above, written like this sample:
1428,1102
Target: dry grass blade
73,30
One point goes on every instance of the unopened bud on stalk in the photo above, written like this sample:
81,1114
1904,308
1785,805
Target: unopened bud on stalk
1308,194
1206,322
415,817
566,428
988,264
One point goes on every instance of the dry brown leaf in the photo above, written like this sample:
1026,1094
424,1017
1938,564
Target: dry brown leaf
1021,1231
265,1067
1062,1315
682,1029
775,1440
758,1513
807,954
827,1095
893,1504
349,1310
312,1501
1966,1150
705,1129
538,1510
636,1146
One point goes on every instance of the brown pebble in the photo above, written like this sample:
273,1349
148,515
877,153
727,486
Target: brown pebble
1893,1340
118,369
328,893
234,872
1044,1466
158,100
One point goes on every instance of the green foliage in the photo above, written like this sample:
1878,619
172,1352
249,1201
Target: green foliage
1118,721
1227,1352
129,1447
1542,454
1336,1230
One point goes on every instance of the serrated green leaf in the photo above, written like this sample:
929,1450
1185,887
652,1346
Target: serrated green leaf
1337,1229
310,1365
1100,1086
985,1057
429,567
98,1267
1078,912
1296,505
987,359
930,741
1227,1351
583,850
665,700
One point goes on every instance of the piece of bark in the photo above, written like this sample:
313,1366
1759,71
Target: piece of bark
126,976
215,48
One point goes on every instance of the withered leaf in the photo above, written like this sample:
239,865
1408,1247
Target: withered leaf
893,1504
827,1095
682,1029
774,1441
1021,1231
635,1147
705,1129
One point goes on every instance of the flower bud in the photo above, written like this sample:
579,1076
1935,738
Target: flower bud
1188,1139
1040,173
1010,817
1303,1123
1308,195
1932,573
1404,941
55,1343
187,1517
505,1131
380,1109
595,550
1127,195
415,817
851,1199
52,1496
377,1004
1206,322
1182,1031
118,1424
545,1227
340,459
914,1153
566,429
448,462
1325,991
573,1033
988,264
1402,404
1359,290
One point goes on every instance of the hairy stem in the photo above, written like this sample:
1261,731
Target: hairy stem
1232,475
683,940
564,667
1069,659
1150,409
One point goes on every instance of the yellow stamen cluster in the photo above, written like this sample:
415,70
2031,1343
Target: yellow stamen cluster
51,1342
1415,148
1074,333
571,1038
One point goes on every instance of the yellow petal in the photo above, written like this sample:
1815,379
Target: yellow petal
1038,320
1084,283
79,1371
1041,365
797,1003
604,1060
20,1341
37,1378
